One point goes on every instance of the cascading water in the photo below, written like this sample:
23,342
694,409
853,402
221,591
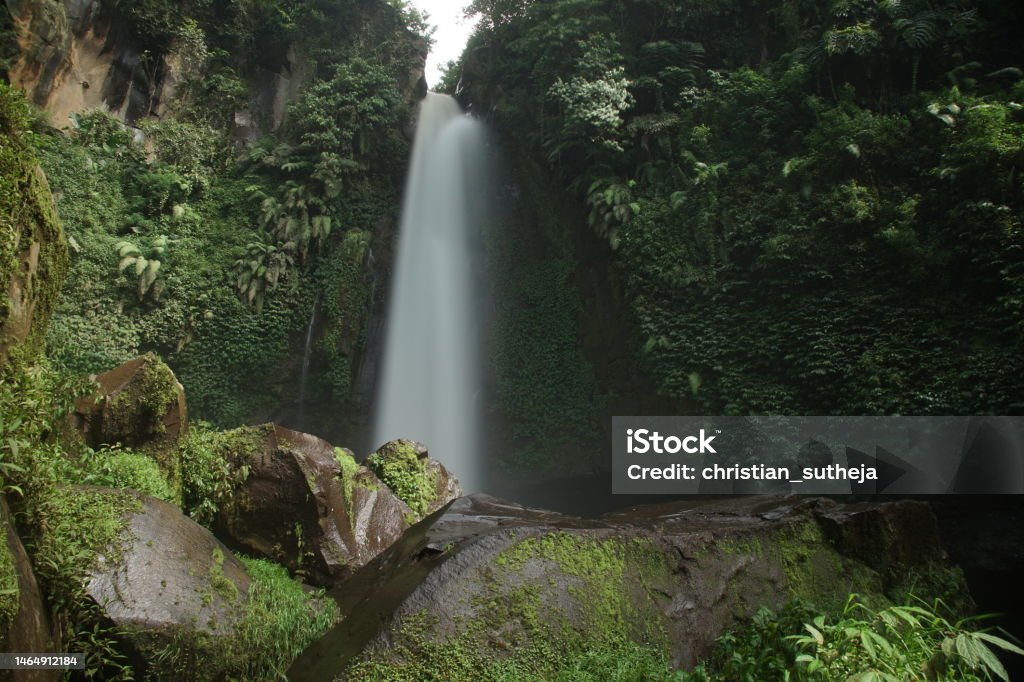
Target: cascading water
431,374
306,358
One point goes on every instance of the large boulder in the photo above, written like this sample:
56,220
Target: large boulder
173,575
166,589
142,566
24,622
423,483
311,507
489,583
139,405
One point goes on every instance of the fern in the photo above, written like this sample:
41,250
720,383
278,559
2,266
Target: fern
146,268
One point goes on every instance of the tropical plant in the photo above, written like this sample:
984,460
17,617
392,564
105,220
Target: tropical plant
611,206
300,218
145,266
898,644
261,269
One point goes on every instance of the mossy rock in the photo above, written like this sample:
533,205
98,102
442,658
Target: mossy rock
33,252
423,483
310,507
487,589
166,589
24,618
139,405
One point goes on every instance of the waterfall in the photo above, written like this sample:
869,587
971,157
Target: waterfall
307,355
431,373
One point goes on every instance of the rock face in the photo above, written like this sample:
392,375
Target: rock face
139,405
311,508
72,60
76,55
172,576
487,579
421,482
24,623
33,261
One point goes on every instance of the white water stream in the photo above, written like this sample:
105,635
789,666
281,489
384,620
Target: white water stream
431,370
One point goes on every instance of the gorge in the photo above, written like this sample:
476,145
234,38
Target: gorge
297,382
431,374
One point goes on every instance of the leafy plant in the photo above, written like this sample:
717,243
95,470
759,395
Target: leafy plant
300,218
901,643
261,269
145,266
898,644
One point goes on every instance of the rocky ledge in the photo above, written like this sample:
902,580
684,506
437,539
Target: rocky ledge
488,580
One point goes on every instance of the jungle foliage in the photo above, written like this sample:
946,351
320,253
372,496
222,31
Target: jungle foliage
814,208
192,239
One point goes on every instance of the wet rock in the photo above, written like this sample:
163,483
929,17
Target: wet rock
420,481
139,405
489,580
172,576
312,508
122,560
24,621
175,600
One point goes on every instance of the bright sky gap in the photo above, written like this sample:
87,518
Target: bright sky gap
453,30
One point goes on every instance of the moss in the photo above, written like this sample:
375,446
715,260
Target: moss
400,467
214,464
349,468
27,218
9,589
277,619
119,468
605,611
815,572
223,586
80,527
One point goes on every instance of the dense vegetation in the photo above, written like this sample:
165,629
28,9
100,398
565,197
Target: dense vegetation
188,239
793,206
212,252
812,208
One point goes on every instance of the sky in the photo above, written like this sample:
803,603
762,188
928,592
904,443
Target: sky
451,34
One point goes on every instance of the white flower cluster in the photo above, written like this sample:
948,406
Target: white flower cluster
595,106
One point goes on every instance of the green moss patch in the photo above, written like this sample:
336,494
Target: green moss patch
399,466
32,246
121,468
214,465
78,528
555,607
349,468
278,618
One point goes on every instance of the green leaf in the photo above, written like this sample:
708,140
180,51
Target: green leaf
1000,642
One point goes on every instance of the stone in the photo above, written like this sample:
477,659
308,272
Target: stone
24,620
33,264
175,601
133,563
173,575
487,579
423,483
311,508
139,405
